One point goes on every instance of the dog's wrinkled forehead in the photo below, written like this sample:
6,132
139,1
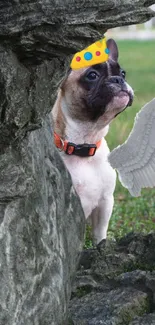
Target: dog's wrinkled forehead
109,68
84,77
106,69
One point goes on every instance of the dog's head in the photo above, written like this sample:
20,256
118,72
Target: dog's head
99,92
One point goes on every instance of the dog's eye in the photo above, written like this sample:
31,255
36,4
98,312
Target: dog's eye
91,76
123,73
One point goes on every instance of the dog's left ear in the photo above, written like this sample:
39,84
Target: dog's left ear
112,46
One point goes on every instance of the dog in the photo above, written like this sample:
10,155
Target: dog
88,100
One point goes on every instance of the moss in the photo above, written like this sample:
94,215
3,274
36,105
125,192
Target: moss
69,322
81,291
139,265
88,237
138,308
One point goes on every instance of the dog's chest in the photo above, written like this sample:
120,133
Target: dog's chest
93,177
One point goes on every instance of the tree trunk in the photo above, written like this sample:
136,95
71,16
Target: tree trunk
42,224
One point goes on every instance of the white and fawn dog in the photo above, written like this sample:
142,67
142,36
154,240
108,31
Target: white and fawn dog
88,100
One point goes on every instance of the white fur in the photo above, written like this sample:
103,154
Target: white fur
93,177
130,90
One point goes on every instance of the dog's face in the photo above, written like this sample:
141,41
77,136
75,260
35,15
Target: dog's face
99,92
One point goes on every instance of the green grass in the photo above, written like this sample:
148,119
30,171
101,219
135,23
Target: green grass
138,59
132,214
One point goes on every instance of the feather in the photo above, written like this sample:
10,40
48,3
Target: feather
134,160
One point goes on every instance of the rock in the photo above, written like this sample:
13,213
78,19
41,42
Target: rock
115,286
142,247
145,320
42,224
115,307
40,236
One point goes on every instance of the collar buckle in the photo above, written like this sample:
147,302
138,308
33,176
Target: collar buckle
81,150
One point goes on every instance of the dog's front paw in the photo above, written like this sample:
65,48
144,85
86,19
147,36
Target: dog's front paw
99,236
101,245
106,245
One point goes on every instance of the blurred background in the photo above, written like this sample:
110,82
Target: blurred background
135,32
137,57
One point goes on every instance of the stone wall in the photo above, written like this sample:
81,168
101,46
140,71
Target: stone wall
42,224
115,283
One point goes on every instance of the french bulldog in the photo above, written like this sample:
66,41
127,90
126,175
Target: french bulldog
88,100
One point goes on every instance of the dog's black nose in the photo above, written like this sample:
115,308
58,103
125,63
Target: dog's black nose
117,80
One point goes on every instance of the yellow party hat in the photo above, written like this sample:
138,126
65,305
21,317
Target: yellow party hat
93,54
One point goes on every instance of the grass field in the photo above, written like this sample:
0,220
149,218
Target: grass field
133,214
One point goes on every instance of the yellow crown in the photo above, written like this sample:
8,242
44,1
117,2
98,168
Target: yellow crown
93,54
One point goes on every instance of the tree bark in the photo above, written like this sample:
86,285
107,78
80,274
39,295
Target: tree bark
42,224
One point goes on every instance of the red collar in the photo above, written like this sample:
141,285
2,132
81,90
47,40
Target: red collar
82,150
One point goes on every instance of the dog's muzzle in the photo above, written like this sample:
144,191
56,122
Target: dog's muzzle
121,83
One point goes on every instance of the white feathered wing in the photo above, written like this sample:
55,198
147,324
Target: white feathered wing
135,159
